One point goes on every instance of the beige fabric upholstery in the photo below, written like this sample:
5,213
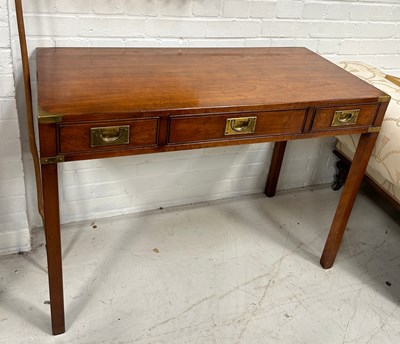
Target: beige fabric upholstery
384,166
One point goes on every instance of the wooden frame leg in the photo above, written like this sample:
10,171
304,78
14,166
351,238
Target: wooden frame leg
346,202
53,246
275,168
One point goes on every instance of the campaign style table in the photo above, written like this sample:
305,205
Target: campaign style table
106,102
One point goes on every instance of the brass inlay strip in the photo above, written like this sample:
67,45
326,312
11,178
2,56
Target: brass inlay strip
52,160
45,117
374,129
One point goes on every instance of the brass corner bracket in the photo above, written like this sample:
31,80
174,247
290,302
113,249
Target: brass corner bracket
52,160
384,99
45,117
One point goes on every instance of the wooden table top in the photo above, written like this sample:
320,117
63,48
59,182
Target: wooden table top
112,80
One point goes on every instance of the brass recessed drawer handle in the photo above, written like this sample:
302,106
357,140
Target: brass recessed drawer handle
345,117
240,125
106,136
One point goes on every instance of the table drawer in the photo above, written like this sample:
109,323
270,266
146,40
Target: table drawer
209,127
344,117
97,136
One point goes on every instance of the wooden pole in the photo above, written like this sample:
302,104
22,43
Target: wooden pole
29,106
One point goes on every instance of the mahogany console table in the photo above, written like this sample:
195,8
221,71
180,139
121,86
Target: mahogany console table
100,103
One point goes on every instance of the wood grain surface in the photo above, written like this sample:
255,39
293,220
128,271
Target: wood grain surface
115,80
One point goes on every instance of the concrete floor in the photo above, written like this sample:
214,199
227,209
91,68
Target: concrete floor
241,270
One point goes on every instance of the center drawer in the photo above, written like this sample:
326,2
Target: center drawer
211,127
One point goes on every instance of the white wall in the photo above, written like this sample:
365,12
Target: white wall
365,30
14,231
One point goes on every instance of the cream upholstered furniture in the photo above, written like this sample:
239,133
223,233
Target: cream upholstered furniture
384,165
